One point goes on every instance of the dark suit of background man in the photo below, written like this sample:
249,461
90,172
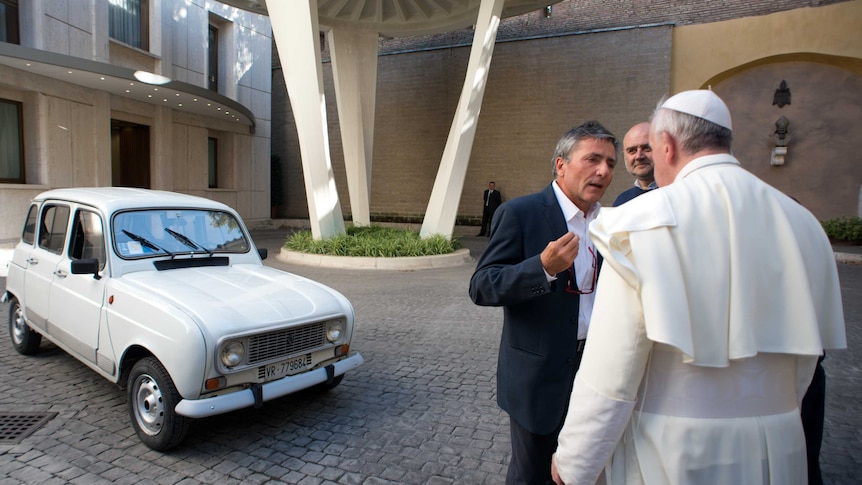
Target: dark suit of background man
490,201
540,266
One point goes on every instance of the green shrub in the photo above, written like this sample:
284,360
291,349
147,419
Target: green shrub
373,241
843,228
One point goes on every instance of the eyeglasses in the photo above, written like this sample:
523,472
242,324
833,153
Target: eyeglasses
572,286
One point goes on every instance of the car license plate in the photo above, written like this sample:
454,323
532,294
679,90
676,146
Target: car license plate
287,368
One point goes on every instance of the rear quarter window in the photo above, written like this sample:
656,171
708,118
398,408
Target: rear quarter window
29,234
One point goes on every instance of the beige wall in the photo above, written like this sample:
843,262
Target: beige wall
823,168
818,52
706,53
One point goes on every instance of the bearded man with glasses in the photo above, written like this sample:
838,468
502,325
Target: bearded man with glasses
541,267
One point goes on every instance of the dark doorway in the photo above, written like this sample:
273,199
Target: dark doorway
130,154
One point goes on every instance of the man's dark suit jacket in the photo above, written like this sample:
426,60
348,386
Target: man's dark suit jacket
494,203
538,349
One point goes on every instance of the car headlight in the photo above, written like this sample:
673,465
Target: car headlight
334,330
232,353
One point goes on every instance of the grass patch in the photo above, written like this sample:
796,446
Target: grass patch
373,241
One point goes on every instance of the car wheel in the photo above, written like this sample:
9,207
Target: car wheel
152,397
326,386
24,339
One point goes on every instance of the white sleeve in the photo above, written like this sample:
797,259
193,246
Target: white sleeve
607,382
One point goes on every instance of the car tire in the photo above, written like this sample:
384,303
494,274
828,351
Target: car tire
25,340
152,397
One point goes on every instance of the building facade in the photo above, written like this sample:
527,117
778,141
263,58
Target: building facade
611,61
162,94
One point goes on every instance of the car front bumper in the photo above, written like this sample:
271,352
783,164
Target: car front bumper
201,408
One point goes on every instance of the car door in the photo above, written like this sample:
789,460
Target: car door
76,299
43,260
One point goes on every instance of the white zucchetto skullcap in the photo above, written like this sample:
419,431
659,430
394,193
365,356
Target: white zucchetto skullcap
702,103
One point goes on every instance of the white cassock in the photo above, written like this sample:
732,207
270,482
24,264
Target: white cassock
716,297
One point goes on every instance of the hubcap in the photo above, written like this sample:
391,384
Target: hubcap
148,405
19,328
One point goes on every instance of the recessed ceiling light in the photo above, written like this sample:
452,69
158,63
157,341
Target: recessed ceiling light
102,78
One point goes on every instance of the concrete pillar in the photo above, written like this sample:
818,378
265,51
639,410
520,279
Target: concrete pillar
446,194
297,37
162,149
354,68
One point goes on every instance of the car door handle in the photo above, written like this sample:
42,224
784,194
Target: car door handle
32,261
60,274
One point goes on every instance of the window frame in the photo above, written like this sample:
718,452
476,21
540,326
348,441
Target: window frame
143,25
21,179
48,234
12,27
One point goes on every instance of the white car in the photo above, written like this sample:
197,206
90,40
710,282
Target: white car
166,295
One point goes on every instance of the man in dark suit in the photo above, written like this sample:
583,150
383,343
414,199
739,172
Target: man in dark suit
540,266
490,201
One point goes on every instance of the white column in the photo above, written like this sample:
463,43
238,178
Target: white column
354,68
297,37
446,194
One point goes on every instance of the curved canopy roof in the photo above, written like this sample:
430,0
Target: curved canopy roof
393,18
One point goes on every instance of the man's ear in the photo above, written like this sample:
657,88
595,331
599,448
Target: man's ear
671,150
558,165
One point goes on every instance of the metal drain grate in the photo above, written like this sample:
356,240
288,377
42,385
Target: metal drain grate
14,427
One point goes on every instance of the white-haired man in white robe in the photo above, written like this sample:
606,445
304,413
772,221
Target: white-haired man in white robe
717,296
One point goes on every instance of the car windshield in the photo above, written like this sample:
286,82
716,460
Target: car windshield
169,232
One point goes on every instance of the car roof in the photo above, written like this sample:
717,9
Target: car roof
111,199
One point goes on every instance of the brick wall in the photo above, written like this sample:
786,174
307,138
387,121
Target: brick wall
547,75
537,89
588,15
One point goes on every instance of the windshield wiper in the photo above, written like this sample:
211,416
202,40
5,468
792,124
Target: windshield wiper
188,242
145,242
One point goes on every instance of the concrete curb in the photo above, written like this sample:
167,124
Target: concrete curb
848,258
457,258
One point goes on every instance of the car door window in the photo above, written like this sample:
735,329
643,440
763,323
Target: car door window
88,240
52,228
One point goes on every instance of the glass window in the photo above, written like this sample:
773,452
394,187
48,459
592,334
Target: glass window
88,240
9,22
11,143
29,234
160,232
128,22
212,149
52,230
212,65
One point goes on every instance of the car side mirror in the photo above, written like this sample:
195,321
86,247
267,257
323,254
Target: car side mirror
86,266
263,252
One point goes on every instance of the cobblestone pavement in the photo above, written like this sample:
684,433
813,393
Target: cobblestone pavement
421,410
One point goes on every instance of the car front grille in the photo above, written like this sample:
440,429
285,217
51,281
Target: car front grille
283,343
